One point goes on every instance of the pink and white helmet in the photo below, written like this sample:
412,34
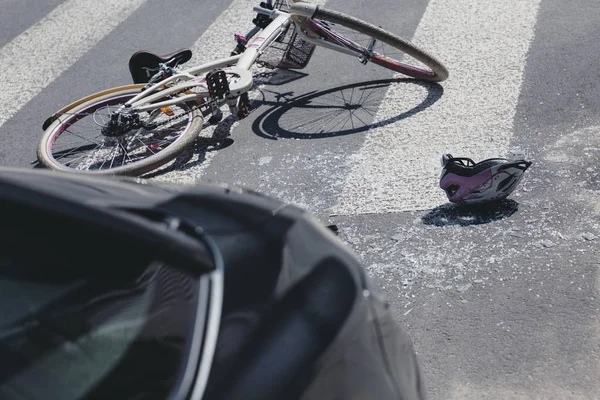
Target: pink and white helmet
465,181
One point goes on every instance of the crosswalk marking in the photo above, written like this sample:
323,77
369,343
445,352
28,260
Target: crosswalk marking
216,42
484,45
34,59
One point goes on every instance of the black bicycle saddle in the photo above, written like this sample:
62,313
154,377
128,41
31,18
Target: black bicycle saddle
144,64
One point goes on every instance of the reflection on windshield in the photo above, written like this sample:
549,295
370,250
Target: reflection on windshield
91,336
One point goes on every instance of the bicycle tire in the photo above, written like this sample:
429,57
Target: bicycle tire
152,162
438,72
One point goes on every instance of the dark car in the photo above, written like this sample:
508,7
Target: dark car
125,289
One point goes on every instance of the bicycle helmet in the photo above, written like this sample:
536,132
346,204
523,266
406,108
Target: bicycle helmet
465,181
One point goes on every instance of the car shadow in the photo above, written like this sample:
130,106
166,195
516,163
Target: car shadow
465,215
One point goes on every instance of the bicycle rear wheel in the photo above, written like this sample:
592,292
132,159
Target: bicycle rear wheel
77,141
388,51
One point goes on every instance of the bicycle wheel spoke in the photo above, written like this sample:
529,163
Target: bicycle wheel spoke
79,142
82,156
112,160
126,154
101,117
147,147
72,151
81,137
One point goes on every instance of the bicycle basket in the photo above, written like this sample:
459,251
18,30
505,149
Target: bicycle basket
289,51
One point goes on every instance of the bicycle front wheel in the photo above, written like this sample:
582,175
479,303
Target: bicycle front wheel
78,141
374,44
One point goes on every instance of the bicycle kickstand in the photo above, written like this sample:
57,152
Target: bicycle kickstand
239,106
244,106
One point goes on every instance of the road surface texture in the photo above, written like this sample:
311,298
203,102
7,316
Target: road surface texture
501,303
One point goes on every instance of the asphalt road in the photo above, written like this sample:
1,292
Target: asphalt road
502,303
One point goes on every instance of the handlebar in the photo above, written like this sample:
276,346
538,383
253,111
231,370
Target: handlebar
265,11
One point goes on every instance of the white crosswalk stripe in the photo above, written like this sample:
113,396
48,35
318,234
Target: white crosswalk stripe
484,45
216,42
465,281
32,60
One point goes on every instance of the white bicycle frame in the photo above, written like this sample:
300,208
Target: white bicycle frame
240,65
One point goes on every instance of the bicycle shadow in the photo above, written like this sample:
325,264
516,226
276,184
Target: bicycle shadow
465,215
277,77
338,111
220,139
221,135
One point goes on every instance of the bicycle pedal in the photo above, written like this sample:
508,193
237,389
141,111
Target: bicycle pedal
217,83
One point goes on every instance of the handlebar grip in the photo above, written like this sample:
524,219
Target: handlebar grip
265,11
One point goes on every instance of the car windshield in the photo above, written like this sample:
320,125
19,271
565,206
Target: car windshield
66,335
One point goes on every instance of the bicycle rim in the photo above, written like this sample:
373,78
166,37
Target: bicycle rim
75,141
389,50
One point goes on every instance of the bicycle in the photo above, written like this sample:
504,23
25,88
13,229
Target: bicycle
138,128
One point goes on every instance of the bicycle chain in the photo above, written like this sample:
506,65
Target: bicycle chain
170,119
177,116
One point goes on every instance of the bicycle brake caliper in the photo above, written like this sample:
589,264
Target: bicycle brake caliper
217,83
365,58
